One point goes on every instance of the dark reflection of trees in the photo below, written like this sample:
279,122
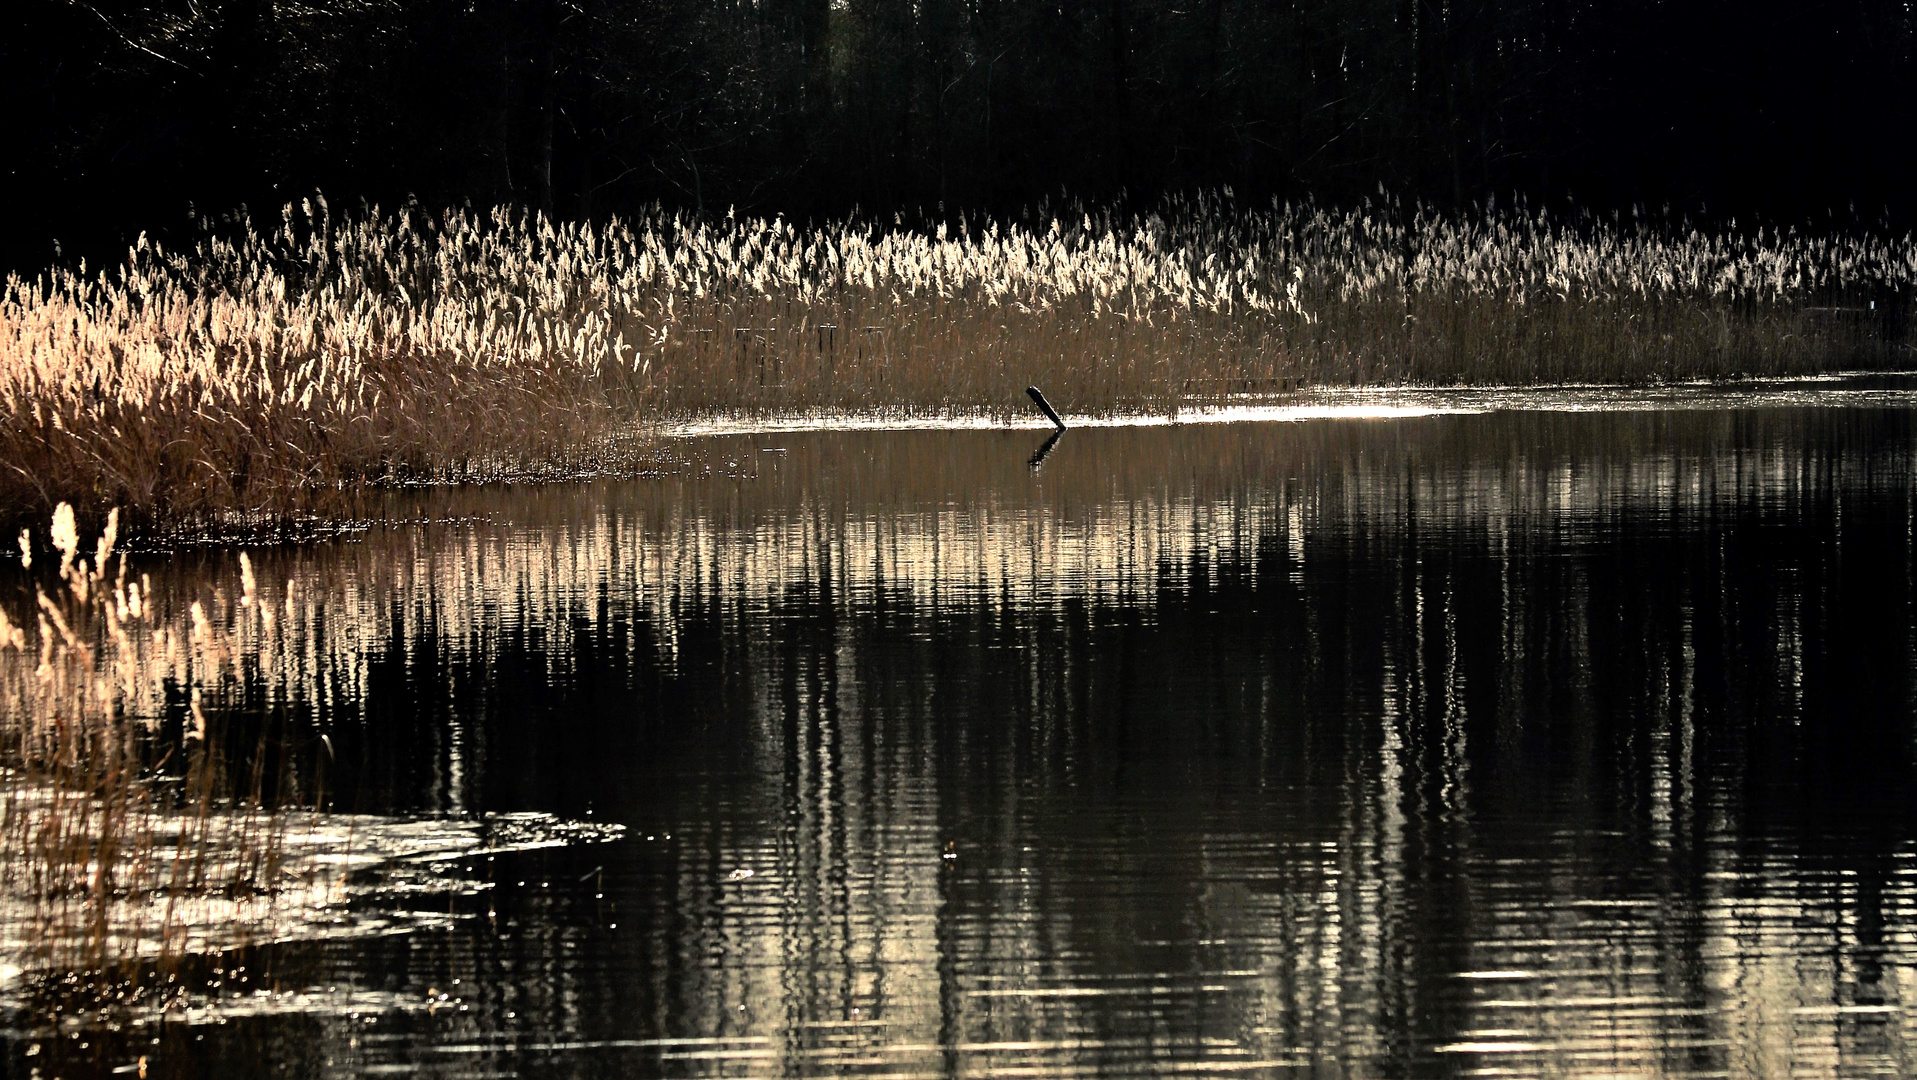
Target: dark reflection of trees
1620,700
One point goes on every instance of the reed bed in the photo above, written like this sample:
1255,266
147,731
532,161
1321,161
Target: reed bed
130,838
162,751
271,368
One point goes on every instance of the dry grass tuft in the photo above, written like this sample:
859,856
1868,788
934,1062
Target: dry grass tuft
267,371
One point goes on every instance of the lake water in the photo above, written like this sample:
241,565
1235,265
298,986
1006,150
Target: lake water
1531,737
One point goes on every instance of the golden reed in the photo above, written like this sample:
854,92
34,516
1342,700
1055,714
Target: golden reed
269,369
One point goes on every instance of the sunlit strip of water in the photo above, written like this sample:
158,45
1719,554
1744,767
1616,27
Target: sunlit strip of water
340,876
1846,390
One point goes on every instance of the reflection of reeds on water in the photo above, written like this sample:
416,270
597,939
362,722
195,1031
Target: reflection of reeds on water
846,573
956,518
271,368
156,803
1129,521
131,837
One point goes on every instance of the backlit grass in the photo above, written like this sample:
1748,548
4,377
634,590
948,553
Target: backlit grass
269,369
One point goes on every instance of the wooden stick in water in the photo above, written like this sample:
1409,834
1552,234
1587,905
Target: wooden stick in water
1045,406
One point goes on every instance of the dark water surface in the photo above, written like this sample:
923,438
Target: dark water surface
1522,743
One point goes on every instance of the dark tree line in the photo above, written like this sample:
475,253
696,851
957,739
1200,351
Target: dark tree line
120,114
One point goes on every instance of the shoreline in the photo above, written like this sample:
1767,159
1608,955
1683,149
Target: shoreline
1359,403
277,369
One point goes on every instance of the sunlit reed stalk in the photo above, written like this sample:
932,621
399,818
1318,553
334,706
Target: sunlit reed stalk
269,370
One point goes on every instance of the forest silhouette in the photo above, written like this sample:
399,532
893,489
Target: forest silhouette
124,115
